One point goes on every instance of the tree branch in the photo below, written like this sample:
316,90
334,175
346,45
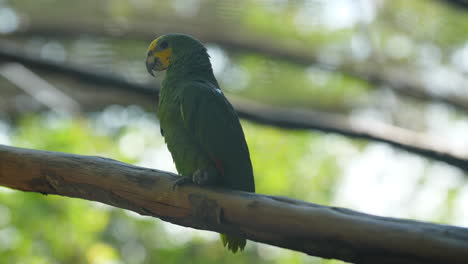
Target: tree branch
401,138
41,90
285,118
317,230
397,80
456,3
8,53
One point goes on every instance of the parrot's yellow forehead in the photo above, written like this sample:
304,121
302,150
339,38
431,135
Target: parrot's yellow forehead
153,44
161,52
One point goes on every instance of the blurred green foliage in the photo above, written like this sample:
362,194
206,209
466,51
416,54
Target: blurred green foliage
416,36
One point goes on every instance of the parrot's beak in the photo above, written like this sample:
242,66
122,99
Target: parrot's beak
153,63
150,63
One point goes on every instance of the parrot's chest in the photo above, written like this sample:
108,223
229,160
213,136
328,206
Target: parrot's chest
169,115
180,142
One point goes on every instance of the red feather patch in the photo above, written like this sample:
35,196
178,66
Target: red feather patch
218,164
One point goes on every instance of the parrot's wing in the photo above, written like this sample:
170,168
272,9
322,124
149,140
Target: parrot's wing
211,120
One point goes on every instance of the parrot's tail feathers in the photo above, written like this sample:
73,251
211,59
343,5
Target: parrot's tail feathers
233,243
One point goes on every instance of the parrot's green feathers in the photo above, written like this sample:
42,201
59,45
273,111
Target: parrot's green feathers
201,128
233,243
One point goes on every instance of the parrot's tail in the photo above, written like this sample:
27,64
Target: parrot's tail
233,243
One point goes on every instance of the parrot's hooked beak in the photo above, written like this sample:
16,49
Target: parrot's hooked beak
151,62
157,61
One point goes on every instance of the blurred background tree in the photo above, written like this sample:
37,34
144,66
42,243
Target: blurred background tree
403,63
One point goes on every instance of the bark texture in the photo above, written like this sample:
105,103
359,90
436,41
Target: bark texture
327,232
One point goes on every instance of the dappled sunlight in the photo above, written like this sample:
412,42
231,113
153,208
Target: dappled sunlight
440,120
460,214
9,238
268,252
357,68
460,58
442,79
9,20
218,58
53,50
101,253
379,181
4,133
134,251
235,78
158,158
430,201
179,235
399,47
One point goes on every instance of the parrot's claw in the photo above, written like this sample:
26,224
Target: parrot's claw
201,177
181,181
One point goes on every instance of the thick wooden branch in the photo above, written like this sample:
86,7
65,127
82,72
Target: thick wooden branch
285,118
327,232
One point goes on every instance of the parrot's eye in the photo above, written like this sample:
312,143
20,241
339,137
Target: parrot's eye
163,45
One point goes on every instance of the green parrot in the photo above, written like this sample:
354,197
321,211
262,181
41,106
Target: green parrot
200,127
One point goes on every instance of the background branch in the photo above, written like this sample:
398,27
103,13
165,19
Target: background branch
317,230
8,53
41,90
285,118
397,80
457,3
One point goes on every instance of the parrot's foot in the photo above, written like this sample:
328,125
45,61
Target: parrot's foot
202,177
181,181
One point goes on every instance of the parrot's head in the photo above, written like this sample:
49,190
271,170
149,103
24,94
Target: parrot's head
170,49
